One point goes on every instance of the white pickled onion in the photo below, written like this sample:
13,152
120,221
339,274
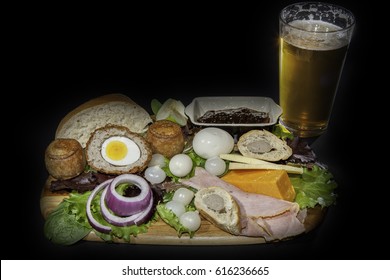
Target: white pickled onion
126,206
95,224
137,218
191,220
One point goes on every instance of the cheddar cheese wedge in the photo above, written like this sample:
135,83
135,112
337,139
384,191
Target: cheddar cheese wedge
275,183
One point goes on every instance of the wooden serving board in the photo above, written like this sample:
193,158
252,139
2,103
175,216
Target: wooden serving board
162,234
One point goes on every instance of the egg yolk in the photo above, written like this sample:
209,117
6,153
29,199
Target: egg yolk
116,150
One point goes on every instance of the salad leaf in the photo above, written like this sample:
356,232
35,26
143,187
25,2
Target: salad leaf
156,105
170,218
197,160
282,132
172,110
68,223
314,187
121,188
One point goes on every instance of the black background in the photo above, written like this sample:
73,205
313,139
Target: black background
69,54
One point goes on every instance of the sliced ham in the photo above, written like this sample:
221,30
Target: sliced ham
261,216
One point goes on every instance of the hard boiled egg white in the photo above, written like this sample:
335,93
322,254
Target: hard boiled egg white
120,151
212,141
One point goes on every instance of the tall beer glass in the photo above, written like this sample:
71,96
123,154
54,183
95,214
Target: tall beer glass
314,39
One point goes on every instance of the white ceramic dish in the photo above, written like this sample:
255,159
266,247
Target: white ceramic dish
200,105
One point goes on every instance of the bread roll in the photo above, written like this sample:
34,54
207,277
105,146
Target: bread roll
219,207
166,138
64,158
115,109
262,144
94,151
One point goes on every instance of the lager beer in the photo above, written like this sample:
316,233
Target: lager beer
312,55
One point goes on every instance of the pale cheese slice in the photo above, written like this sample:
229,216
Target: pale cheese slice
241,162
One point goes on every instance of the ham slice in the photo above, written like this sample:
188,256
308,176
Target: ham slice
261,216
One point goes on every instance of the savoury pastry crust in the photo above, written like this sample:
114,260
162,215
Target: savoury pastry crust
277,149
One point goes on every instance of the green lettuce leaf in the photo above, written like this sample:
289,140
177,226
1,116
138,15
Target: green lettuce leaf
314,187
170,218
68,222
156,105
282,132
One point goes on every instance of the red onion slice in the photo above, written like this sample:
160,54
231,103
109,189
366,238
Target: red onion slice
146,215
126,206
134,219
95,224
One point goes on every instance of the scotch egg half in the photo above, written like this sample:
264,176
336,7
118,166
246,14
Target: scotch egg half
120,151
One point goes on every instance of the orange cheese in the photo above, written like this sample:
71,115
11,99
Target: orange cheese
275,183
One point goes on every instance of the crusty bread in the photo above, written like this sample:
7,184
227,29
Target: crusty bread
262,144
97,162
115,109
64,158
219,207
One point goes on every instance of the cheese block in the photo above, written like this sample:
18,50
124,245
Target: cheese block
275,183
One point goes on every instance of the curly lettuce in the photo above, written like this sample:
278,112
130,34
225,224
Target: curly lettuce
314,187
170,218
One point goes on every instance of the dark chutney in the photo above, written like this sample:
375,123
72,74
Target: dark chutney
235,116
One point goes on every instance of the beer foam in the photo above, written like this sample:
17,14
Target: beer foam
315,35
